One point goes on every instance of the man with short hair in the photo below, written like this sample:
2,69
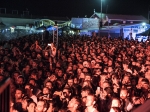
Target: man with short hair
20,81
125,103
19,95
64,97
116,103
70,83
49,85
18,99
74,104
84,93
88,77
66,94
90,104
29,90
36,90
41,106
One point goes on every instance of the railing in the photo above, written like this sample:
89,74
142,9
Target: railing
144,108
5,95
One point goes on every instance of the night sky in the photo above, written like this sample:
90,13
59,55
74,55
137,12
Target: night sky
76,8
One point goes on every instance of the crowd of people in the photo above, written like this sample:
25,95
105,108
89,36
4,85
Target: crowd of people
81,74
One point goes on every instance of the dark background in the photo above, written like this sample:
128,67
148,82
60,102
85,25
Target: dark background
76,8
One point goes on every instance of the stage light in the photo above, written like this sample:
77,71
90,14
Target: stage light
143,24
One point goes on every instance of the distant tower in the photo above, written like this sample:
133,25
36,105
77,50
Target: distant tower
94,10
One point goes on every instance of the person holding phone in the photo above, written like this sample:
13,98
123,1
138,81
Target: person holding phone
53,50
98,91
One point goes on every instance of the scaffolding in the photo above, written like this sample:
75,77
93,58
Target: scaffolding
55,36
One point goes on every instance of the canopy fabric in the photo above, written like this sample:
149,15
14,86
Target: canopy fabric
146,33
50,28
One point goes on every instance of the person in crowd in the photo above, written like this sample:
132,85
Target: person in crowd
31,106
41,106
91,104
53,50
26,100
113,69
85,91
29,91
49,85
20,81
126,104
36,90
46,94
65,97
17,104
116,103
74,105
115,109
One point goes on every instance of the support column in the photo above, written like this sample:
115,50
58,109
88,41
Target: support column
121,33
55,36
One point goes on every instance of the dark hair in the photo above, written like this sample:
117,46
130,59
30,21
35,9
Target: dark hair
48,82
145,80
32,79
34,72
94,99
88,89
116,109
45,103
109,90
46,88
103,73
20,89
31,101
115,76
69,89
78,100
88,74
70,77
125,62
16,72
21,76
31,86
28,99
